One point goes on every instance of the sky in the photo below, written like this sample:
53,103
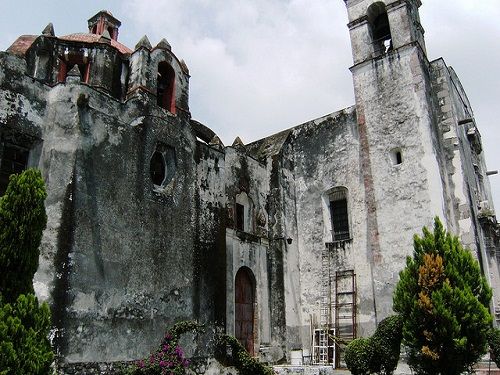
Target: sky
261,66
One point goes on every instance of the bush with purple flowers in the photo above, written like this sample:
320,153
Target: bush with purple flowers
169,358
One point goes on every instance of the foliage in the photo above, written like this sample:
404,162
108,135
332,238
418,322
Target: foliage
239,357
359,356
24,344
494,343
443,300
386,342
22,221
169,357
378,353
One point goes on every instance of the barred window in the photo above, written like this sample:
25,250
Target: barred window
339,214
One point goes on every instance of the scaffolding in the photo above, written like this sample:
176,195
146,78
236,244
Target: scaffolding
337,310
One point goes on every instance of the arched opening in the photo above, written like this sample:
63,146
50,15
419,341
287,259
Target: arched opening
66,66
380,28
157,168
339,214
244,300
94,29
165,87
111,32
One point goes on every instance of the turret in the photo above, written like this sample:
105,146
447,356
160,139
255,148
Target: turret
103,23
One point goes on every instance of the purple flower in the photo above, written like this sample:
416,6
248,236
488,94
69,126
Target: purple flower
140,364
163,363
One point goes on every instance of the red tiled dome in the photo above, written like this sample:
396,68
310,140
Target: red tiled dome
95,38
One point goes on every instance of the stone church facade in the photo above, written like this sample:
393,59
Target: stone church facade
152,220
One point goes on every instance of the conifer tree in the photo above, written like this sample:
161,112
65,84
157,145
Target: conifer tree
22,221
443,300
24,324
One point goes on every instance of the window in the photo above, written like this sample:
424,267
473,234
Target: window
14,160
396,156
165,87
380,28
162,165
240,217
66,66
157,168
243,209
339,214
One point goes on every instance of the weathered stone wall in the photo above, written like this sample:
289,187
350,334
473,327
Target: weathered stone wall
247,183
468,187
113,239
322,154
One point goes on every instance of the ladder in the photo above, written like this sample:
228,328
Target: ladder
345,309
325,309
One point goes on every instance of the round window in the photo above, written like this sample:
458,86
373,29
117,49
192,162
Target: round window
157,168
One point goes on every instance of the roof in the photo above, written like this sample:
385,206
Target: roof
21,44
24,42
95,38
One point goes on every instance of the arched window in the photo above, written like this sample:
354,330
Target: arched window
66,66
339,214
165,91
380,28
111,32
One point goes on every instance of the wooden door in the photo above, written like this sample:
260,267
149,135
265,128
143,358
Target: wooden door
244,309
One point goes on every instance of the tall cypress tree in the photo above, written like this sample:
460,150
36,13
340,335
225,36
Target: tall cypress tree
443,300
22,221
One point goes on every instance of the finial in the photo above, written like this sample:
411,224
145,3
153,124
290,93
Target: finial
184,67
215,142
74,74
164,44
238,144
143,43
49,30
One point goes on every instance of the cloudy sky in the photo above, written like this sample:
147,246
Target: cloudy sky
260,66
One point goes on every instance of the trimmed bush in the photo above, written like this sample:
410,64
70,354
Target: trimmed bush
359,356
494,343
378,353
386,342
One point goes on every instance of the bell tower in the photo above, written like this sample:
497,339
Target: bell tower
103,23
377,27
397,136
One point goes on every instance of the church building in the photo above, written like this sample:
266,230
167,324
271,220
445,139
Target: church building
280,242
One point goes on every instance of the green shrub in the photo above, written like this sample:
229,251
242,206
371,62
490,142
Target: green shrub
22,221
359,356
169,357
24,344
443,299
386,343
494,343
378,353
238,357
